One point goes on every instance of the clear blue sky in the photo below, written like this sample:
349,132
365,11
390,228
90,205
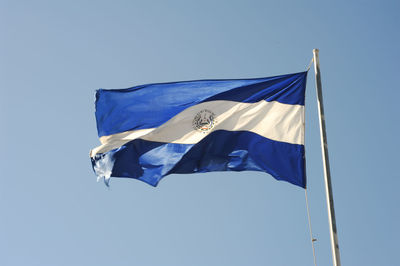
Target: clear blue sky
55,54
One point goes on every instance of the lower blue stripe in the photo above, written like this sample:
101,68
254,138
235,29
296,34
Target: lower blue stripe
219,151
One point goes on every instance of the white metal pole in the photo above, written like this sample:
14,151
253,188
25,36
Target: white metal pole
325,158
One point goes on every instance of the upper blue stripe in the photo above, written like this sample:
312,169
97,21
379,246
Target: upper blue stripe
149,106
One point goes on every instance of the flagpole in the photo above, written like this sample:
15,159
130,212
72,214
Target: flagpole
325,158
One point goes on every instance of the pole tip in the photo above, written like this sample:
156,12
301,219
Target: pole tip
315,50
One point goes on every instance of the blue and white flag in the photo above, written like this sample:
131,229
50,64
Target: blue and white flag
150,131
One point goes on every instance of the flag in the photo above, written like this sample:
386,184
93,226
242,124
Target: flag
150,131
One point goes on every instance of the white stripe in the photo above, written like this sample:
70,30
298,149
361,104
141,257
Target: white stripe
127,135
117,140
273,120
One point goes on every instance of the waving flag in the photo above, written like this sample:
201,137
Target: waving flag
150,131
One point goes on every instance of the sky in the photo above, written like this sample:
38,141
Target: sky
55,54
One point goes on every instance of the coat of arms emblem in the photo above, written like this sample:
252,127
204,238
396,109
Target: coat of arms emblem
204,121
